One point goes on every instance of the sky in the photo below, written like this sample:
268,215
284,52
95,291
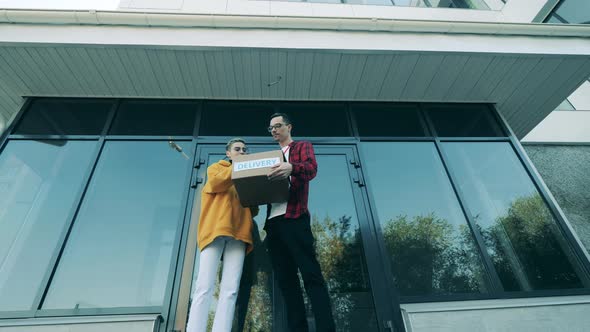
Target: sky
60,4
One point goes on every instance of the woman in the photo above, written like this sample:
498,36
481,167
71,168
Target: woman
225,229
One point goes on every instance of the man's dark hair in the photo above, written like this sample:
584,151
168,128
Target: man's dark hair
286,118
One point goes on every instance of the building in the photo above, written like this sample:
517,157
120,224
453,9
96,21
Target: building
428,213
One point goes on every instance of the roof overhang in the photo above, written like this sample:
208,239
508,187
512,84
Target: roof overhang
525,69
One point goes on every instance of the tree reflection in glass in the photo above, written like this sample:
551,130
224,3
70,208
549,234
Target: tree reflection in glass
428,241
522,237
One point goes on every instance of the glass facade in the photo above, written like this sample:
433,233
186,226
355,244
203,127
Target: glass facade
65,117
424,201
39,182
570,12
470,4
426,234
124,233
521,236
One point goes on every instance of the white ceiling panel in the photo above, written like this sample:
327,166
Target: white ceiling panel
199,67
9,74
298,74
187,76
33,73
445,75
397,77
371,81
525,87
470,74
97,81
83,80
273,66
424,72
324,73
496,72
548,96
349,75
515,76
542,71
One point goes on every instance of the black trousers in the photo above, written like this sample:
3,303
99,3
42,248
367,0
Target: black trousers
291,248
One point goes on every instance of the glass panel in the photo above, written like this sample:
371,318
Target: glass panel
521,235
425,231
254,307
120,248
370,2
339,246
39,181
64,117
339,249
158,118
463,121
474,4
235,119
251,119
317,119
553,19
573,11
388,120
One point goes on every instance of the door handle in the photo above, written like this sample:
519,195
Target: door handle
196,182
199,163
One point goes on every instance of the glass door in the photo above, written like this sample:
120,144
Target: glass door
345,247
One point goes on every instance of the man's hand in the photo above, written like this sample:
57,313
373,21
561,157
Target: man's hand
280,171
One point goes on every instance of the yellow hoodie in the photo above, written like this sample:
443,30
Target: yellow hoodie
221,212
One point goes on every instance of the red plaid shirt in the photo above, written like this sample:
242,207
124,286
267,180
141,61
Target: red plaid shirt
305,168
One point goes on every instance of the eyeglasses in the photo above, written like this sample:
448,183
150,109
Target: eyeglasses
276,126
238,148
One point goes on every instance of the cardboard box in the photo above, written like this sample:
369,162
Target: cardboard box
249,176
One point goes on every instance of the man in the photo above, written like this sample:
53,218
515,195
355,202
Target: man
289,238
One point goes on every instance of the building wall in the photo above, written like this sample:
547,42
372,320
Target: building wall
130,323
566,169
522,11
580,99
542,314
562,127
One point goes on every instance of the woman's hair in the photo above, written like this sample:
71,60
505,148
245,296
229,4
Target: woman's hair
232,141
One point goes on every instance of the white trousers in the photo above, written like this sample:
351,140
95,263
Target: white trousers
233,252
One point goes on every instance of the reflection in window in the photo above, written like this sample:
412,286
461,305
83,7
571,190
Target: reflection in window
120,248
426,234
571,11
388,120
474,4
329,119
39,181
254,306
65,117
339,247
521,235
164,118
235,119
458,120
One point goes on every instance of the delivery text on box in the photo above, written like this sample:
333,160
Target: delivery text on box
254,164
